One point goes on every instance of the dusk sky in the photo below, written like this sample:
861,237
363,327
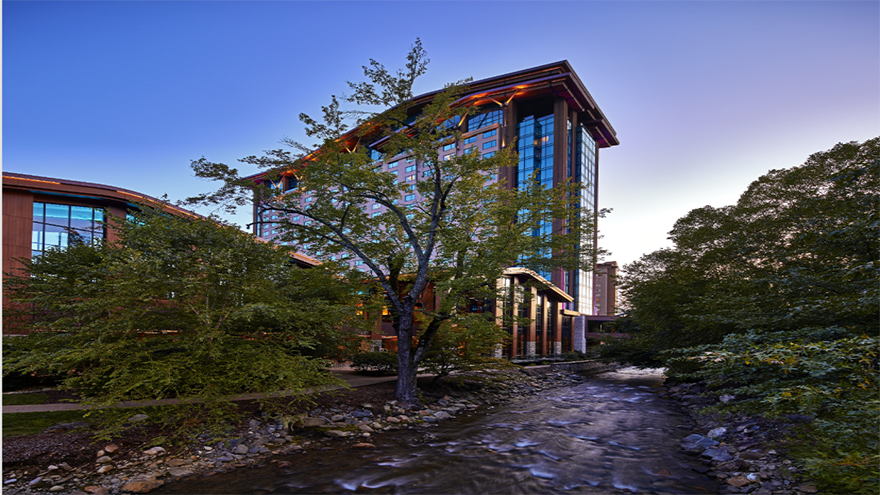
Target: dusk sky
705,96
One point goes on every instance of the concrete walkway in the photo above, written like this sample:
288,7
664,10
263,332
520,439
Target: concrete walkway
347,374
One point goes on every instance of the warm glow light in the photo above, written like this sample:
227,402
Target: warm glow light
31,180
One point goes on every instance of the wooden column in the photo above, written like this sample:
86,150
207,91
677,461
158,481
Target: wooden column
531,350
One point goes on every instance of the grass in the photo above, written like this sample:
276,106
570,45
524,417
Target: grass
24,399
30,423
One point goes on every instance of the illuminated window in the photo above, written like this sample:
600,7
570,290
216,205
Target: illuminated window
489,154
411,168
410,177
470,140
450,146
489,144
448,157
491,133
376,206
393,164
409,197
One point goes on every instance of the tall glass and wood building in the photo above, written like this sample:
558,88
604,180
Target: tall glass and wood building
557,127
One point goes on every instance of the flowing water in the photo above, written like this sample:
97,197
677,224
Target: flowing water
608,435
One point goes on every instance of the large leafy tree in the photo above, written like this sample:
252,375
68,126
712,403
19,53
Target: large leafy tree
460,236
179,307
799,249
775,300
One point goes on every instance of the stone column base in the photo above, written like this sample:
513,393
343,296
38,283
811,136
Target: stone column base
557,348
530,350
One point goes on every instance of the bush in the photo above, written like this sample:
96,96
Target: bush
824,373
375,362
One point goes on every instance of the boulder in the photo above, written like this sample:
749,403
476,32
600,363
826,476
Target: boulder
142,486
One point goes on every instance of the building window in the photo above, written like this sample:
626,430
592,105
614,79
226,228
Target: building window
427,173
410,159
489,144
489,154
450,146
376,206
485,118
410,177
394,172
470,140
411,168
491,133
57,225
409,197
295,218
309,199
377,214
470,150
448,157
393,164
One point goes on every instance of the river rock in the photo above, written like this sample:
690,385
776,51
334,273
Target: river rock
177,462
142,486
336,433
180,472
313,422
56,488
442,415
138,417
97,490
103,460
241,449
738,481
361,414
337,418
105,468
717,432
697,443
112,448
155,451
719,454
366,429
363,445
807,488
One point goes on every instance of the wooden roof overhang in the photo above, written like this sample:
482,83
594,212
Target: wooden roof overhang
559,293
557,79
86,191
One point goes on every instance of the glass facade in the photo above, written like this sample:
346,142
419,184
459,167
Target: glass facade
585,175
486,118
535,147
55,226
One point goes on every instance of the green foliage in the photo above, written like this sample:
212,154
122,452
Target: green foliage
464,346
179,308
775,300
826,373
376,361
459,236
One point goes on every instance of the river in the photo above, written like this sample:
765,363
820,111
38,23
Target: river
611,434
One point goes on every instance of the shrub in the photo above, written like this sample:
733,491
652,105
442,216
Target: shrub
375,362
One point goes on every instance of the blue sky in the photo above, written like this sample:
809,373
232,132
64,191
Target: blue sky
705,96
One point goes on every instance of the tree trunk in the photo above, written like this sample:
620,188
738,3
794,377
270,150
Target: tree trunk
406,369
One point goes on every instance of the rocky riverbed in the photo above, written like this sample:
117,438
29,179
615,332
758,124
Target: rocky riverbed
737,449
115,470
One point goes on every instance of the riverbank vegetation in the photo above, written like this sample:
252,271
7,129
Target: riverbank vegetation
774,301
179,308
